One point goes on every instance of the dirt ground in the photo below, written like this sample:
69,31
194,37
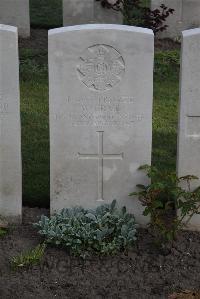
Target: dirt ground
144,273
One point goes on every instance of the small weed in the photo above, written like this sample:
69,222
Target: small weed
3,232
29,258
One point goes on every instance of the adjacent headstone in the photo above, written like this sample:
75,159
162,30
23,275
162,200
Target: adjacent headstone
10,133
16,13
189,118
106,16
77,12
101,79
185,16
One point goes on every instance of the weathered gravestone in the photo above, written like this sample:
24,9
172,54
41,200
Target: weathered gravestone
185,16
107,16
189,115
100,114
16,13
10,136
76,12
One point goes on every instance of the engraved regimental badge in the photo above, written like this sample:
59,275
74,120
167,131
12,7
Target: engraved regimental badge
101,67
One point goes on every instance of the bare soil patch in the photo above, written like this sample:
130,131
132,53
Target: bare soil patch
144,272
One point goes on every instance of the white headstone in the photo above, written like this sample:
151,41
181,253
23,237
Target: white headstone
16,13
185,16
189,115
101,79
77,12
10,134
106,16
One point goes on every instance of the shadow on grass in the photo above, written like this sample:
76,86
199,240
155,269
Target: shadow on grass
46,14
164,150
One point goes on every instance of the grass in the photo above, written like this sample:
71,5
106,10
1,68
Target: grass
34,109
35,127
165,112
28,258
46,13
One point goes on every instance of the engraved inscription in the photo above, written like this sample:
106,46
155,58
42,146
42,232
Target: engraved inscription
100,156
104,119
102,99
101,111
101,67
3,106
104,111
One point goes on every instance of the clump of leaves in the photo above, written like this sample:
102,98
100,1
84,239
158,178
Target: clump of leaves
3,232
29,258
136,14
165,193
104,230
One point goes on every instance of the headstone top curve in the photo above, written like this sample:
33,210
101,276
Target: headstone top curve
191,32
101,27
8,28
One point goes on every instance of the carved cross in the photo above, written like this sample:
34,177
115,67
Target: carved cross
100,156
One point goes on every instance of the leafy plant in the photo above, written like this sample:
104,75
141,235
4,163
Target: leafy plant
3,226
104,230
136,14
162,195
28,258
3,232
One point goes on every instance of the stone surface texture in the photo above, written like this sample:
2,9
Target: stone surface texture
186,16
10,132
189,115
77,12
101,82
107,16
16,13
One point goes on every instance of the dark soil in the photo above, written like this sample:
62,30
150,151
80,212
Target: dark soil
145,272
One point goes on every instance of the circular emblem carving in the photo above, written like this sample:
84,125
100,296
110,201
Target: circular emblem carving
101,67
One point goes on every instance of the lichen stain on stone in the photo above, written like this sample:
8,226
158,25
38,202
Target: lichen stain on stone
108,172
118,138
